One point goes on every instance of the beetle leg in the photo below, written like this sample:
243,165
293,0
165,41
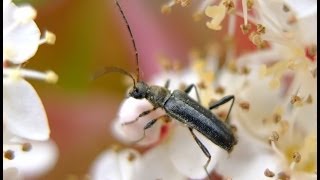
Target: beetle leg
204,150
147,126
166,85
188,89
144,113
223,101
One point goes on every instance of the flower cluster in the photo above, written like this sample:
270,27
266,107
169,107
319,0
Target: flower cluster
27,149
274,115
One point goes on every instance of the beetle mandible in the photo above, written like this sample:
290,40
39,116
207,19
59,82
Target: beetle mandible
181,107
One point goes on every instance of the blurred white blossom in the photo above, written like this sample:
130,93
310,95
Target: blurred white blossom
26,148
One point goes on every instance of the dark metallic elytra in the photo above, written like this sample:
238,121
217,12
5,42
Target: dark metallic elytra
181,107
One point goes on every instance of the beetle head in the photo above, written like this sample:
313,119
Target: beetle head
139,91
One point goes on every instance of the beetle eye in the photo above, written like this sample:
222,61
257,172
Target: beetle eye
136,90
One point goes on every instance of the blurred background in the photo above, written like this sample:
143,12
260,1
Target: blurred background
92,35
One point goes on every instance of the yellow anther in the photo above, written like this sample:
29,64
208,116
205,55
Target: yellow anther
51,77
50,37
245,28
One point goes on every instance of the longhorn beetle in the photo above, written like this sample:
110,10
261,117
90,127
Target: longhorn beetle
180,106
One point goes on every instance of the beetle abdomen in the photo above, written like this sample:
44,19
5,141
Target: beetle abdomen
186,110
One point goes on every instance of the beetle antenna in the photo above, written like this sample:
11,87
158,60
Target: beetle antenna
107,70
132,39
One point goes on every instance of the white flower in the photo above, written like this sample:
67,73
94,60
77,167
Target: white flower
31,161
24,118
290,23
275,118
21,36
24,114
280,122
115,164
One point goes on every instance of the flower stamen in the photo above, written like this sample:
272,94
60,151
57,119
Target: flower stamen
244,105
296,159
261,29
272,140
220,90
131,157
296,100
229,4
48,38
250,4
200,12
17,73
245,12
9,154
183,3
217,13
245,28
268,173
26,147
283,176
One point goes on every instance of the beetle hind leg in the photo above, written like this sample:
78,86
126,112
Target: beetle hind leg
204,150
223,101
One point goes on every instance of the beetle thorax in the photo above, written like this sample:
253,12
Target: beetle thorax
157,95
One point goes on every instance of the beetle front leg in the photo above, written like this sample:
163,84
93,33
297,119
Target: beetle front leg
223,101
140,115
204,150
147,126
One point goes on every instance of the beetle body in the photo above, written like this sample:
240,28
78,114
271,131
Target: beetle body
183,108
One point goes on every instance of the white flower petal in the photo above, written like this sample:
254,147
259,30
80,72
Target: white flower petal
187,156
226,77
264,56
307,30
21,42
304,117
8,10
248,160
115,165
130,109
11,174
24,113
262,101
36,162
157,165
303,8
304,176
